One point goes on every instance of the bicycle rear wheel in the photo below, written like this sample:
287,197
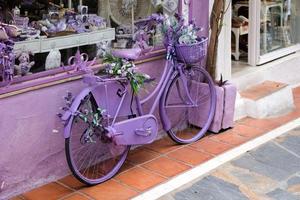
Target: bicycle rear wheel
180,112
91,155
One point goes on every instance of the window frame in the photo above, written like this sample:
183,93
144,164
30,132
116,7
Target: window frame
254,56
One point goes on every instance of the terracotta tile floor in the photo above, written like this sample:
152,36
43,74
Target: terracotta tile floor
263,89
153,164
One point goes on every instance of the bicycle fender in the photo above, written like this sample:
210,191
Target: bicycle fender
69,114
106,97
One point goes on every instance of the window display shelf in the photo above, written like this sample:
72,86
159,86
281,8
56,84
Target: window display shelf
65,42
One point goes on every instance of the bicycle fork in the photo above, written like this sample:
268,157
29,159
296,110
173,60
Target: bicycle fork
185,87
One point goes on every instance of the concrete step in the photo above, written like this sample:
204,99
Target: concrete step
266,99
285,70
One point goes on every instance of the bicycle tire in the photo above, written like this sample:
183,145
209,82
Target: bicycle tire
181,131
102,170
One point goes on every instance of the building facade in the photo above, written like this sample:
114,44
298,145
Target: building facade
31,141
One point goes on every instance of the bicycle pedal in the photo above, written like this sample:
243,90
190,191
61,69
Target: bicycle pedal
131,116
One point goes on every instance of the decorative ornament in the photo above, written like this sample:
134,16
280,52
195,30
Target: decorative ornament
170,6
25,65
103,48
127,6
80,61
120,10
53,59
7,60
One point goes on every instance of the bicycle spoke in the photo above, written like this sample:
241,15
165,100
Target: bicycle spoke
180,103
88,150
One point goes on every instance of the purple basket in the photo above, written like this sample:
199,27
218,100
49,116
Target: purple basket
191,53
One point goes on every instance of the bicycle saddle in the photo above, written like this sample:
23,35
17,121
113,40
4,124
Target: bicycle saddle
128,54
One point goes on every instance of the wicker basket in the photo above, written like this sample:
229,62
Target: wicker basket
192,53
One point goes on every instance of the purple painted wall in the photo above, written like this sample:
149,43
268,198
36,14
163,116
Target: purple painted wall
31,153
200,12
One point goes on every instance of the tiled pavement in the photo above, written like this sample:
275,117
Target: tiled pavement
271,171
156,163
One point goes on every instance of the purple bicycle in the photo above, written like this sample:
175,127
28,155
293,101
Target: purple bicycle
106,119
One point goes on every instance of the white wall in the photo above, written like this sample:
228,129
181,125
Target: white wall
224,51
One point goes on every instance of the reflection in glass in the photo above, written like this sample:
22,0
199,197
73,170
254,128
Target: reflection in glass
278,27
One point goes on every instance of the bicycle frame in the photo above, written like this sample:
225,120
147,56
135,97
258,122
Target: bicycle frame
98,88
170,69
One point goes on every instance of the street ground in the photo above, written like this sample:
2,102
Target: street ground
271,171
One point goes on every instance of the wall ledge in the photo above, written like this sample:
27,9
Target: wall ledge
60,78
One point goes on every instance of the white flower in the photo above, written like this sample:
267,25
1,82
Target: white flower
127,65
113,64
190,28
111,71
130,70
124,74
184,39
147,76
119,72
168,21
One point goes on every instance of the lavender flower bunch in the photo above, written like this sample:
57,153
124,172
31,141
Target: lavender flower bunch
188,34
120,68
171,28
176,32
158,18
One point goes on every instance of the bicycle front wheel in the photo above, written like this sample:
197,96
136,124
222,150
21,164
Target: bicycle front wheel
91,155
189,113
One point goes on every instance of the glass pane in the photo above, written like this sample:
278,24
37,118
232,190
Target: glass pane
127,16
279,27
30,23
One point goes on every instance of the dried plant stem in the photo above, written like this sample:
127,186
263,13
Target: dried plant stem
216,24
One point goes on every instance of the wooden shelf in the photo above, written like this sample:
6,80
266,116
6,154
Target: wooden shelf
65,42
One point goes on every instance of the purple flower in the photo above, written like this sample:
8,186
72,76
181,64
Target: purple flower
7,59
159,18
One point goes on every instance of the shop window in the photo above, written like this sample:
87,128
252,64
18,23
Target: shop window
266,29
61,27
279,25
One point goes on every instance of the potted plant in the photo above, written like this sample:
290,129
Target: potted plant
226,91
